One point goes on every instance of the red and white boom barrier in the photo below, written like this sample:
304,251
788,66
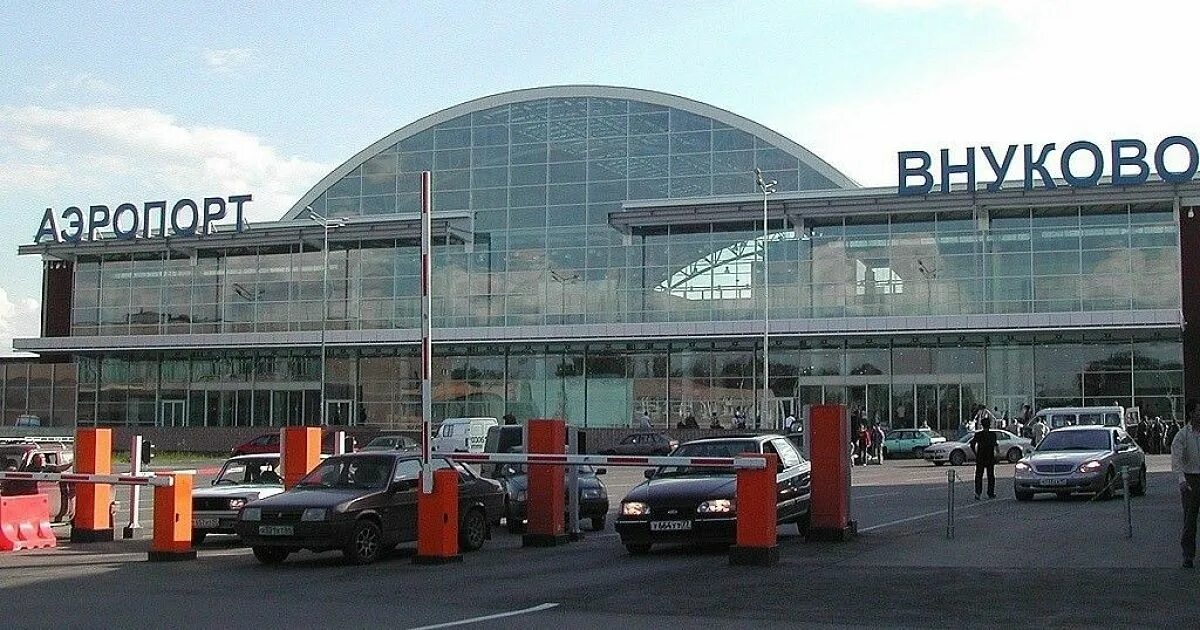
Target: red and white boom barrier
115,480
741,463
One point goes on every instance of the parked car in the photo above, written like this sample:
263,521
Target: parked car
686,504
643,444
27,420
242,479
363,504
269,443
40,455
593,496
462,435
909,442
1081,459
392,443
958,452
1105,415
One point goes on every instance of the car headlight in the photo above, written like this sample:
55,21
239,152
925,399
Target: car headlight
635,508
315,514
1091,467
1023,467
236,504
716,506
251,514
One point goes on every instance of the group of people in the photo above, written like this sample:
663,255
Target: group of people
868,444
1155,436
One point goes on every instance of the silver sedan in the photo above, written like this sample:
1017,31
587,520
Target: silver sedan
1008,447
1081,459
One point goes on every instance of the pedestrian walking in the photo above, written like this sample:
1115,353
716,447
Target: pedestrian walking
1039,430
644,421
984,445
1185,463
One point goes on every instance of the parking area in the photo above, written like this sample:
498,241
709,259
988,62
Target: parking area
1061,562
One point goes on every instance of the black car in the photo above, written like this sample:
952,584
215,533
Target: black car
642,444
685,504
593,496
363,504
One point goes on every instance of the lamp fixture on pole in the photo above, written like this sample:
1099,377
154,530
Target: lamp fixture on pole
766,187
328,224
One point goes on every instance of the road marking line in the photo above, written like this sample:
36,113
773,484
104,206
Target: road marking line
512,613
926,515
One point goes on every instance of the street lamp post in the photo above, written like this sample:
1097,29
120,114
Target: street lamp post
327,224
563,280
767,187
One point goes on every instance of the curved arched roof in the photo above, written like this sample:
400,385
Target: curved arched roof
806,157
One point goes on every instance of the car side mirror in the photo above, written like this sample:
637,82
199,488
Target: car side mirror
649,474
601,471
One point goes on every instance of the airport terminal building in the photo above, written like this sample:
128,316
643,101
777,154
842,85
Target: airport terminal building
599,254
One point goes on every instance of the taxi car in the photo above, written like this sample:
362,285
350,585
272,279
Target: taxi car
242,479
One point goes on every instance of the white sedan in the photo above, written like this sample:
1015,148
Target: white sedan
1008,447
242,479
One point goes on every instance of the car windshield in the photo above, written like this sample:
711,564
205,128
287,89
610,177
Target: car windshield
1075,441
358,472
242,471
385,442
725,448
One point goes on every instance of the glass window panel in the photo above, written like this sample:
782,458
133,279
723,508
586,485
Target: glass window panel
653,123
607,106
732,140
607,148
607,169
648,167
657,144
687,121
422,141
773,159
569,129
452,159
567,194
528,132
1055,263
379,205
733,162
608,126
416,162
528,110
489,156
527,196
566,172
571,107
733,184
527,175
346,187
379,184
495,115
690,165
566,215
606,191
489,135
528,153
383,164
489,177
452,138
692,142
458,179
691,186
648,189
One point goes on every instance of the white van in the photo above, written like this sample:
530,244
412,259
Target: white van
1106,416
463,435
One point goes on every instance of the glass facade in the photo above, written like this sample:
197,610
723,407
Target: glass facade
1032,260
538,180
901,382
45,390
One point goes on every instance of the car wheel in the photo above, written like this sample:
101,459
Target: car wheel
638,549
957,458
366,543
1024,496
1109,478
270,555
474,530
803,523
198,537
598,523
1014,455
1140,488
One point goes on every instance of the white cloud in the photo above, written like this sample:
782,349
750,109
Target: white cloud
228,59
112,155
1079,70
19,318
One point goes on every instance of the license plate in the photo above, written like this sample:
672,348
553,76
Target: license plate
670,526
275,530
206,523
1055,482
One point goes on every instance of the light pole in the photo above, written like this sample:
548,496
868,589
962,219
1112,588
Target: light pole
327,224
563,280
767,187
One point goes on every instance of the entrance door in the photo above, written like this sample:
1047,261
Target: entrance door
172,413
339,412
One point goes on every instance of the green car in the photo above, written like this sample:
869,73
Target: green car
899,443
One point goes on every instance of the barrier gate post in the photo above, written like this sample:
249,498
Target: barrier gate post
437,520
93,501
544,503
299,452
757,539
173,520
829,446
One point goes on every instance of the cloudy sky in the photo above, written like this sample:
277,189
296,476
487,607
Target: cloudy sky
113,102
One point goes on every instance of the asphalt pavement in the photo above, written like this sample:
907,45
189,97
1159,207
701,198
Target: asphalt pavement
1046,563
